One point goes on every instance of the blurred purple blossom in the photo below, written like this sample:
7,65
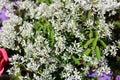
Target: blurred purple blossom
3,17
117,77
92,74
105,76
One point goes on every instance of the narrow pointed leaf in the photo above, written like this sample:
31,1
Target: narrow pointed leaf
89,14
94,43
102,43
88,42
91,34
98,54
87,52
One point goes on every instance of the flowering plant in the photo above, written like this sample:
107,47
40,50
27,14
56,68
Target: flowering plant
3,59
61,39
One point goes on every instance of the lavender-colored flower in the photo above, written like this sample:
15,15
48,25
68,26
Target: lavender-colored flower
117,77
3,17
105,76
2,14
92,74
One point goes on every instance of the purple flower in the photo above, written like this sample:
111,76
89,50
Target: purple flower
3,17
92,74
105,76
117,77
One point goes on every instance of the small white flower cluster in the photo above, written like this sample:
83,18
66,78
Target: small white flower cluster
100,6
2,3
104,29
99,67
110,49
8,34
103,67
60,44
75,49
26,30
70,73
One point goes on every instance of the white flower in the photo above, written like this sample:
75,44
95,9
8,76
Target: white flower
25,4
111,49
26,30
42,10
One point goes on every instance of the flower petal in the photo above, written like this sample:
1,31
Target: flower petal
4,54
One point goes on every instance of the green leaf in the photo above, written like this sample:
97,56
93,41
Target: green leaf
45,29
67,54
88,42
9,77
75,60
117,24
37,25
81,43
92,51
94,43
96,34
45,1
52,38
102,43
91,34
98,54
89,14
87,52
48,27
82,18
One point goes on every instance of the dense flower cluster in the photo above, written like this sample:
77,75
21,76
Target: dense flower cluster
59,39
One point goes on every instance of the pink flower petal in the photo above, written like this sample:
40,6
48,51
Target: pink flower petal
4,54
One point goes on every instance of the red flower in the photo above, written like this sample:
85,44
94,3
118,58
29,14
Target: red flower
3,59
